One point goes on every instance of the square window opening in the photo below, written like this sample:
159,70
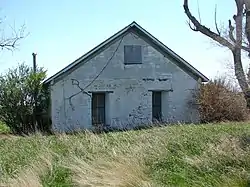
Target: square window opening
132,54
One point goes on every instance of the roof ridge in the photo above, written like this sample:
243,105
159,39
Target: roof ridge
118,34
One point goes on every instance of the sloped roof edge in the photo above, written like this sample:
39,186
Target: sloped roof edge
120,33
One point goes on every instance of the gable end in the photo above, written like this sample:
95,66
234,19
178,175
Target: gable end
138,30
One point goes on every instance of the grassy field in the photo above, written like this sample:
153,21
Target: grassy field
181,155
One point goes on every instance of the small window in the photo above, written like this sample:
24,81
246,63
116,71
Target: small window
98,109
156,106
132,54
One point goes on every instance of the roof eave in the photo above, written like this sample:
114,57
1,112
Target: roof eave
176,56
119,33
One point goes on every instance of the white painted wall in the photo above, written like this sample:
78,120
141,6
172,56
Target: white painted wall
130,102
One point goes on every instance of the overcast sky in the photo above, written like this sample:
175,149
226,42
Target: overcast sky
61,31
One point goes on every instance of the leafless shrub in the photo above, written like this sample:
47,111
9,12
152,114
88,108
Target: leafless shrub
219,100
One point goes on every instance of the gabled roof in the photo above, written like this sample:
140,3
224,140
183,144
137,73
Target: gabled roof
139,30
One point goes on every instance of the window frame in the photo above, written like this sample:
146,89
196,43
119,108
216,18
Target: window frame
155,105
126,59
98,107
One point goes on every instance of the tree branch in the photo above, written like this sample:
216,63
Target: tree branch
248,75
232,38
190,26
10,42
238,22
199,13
204,30
245,48
215,21
230,32
247,26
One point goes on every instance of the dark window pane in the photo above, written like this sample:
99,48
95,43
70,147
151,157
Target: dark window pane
94,115
157,98
157,113
94,101
100,100
132,54
156,106
98,108
101,115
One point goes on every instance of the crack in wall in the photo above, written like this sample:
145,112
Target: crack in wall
131,86
75,82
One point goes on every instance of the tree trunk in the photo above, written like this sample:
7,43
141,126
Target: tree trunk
234,44
238,67
239,73
247,27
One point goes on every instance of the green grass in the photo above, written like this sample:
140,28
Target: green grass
4,128
181,155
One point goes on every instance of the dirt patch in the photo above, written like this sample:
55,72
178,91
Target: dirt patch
7,136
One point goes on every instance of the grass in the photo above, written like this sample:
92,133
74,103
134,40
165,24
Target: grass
3,128
181,155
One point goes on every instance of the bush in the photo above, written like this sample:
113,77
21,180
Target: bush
4,128
219,100
24,100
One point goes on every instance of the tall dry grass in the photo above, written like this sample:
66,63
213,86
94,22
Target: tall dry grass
183,155
121,172
119,167
30,176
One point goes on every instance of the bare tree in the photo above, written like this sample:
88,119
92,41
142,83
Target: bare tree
236,39
9,38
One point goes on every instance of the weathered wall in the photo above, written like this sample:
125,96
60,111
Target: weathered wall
130,100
